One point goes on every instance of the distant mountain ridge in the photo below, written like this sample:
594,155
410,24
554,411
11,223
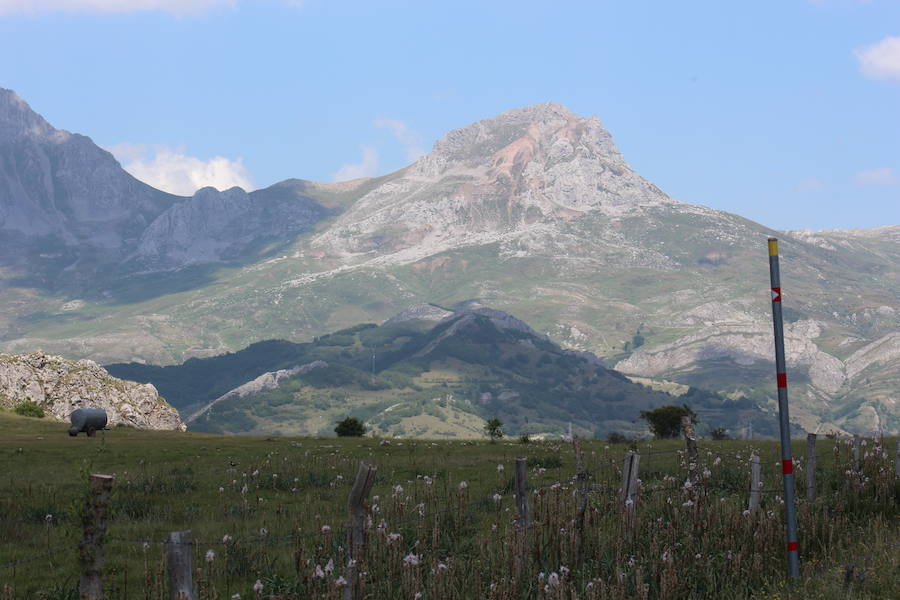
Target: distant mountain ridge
69,202
533,211
442,376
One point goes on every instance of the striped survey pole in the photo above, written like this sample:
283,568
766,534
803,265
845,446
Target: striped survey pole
787,463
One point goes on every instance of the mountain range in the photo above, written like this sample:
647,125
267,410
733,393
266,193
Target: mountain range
534,212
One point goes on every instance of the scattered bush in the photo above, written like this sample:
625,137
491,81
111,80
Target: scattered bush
616,437
30,409
524,439
719,433
665,421
350,427
494,429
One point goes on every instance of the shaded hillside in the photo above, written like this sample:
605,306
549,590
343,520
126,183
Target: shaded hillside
422,378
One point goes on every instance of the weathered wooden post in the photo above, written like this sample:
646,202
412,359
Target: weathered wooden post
897,460
93,520
179,562
691,441
810,467
581,490
754,483
630,465
856,453
523,521
356,533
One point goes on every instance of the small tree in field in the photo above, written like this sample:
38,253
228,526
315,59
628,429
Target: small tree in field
665,421
350,427
494,429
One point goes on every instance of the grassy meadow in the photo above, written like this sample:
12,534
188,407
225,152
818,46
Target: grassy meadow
441,518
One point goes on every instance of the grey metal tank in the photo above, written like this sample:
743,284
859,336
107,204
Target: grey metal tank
88,420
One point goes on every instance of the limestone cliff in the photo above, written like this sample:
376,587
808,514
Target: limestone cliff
60,386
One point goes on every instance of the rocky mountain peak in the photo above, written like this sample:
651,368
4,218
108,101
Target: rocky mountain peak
495,181
521,135
18,120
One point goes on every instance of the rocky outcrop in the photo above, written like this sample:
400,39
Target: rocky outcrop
494,181
265,382
60,386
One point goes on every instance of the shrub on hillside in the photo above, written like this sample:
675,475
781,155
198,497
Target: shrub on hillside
30,409
350,427
719,433
665,421
616,437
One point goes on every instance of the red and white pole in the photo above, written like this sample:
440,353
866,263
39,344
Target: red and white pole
787,462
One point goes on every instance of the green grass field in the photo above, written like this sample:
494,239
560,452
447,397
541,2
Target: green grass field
274,510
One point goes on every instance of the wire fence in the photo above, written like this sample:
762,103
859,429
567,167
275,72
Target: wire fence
608,469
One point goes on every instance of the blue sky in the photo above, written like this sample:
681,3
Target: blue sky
784,111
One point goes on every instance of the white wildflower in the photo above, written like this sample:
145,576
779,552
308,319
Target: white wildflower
411,560
553,580
498,498
329,567
258,587
320,574
463,485
226,538
210,556
499,468
326,528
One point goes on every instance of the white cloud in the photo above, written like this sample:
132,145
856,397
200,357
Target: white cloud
367,167
409,139
880,60
178,7
177,173
880,176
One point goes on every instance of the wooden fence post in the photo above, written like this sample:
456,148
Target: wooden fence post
90,554
581,490
630,466
628,497
356,533
179,561
523,522
754,483
810,467
690,439
856,453
897,460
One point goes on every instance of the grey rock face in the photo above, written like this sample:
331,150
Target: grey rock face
266,381
60,386
427,313
212,226
59,191
495,180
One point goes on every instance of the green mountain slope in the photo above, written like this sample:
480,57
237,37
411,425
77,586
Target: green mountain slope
534,212
417,377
